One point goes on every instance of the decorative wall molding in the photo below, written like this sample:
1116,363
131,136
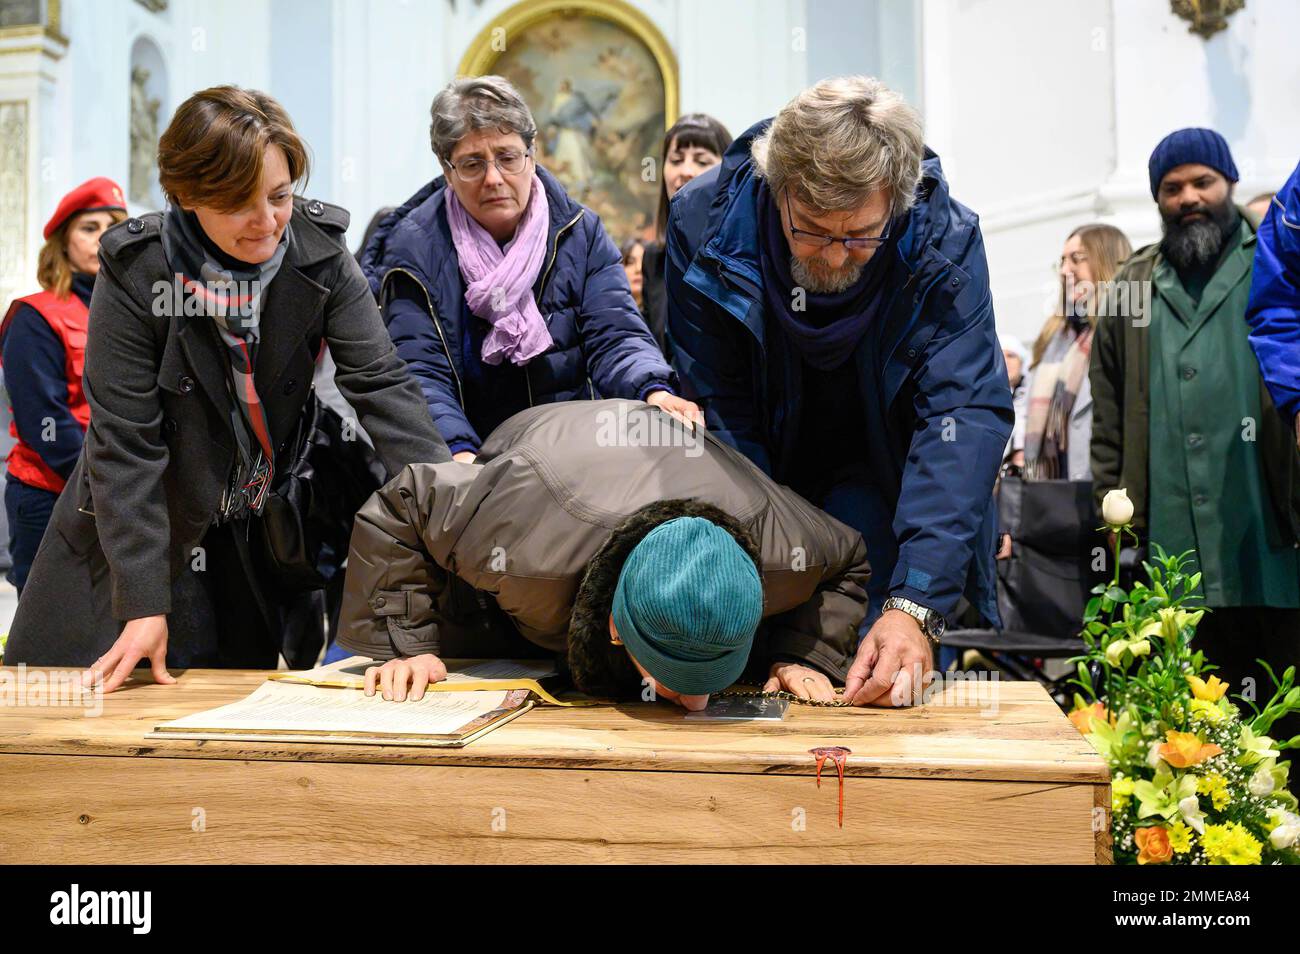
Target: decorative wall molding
14,138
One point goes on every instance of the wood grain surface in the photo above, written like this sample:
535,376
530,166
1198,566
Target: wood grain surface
1005,731
982,774
96,810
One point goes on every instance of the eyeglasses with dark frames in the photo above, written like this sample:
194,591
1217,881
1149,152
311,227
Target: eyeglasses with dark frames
818,240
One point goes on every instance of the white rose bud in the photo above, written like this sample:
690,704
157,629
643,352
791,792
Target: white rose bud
1261,783
1284,836
1190,809
1116,508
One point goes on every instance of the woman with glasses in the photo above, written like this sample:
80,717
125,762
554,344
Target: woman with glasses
499,290
829,308
1058,424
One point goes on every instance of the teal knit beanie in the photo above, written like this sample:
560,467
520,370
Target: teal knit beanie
687,605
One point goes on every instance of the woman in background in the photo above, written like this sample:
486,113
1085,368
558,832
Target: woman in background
693,145
1058,426
633,253
44,349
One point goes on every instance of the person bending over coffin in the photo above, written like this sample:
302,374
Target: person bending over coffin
642,552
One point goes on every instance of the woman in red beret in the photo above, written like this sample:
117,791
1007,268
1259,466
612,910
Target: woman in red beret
42,351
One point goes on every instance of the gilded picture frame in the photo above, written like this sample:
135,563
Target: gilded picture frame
601,82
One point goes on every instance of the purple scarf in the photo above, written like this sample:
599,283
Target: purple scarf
499,283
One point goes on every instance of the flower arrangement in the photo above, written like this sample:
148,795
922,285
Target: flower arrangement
1193,780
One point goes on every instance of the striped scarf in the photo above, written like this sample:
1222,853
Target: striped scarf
1052,393
232,297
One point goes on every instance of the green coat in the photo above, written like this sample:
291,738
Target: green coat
1120,376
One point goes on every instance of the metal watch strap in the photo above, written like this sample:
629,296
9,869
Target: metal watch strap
915,610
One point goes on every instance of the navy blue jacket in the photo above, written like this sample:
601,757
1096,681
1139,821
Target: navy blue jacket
602,347
1274,308
36,377
930,374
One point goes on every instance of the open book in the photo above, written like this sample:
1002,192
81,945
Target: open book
283,711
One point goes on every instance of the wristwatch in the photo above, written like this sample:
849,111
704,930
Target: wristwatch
932,624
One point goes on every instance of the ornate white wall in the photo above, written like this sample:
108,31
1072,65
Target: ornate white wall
1045,114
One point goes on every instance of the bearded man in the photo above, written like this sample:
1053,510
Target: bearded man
1183,421
829,309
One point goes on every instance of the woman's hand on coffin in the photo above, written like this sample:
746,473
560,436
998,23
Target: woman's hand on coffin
145,637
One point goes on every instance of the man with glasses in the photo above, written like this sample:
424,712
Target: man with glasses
829,309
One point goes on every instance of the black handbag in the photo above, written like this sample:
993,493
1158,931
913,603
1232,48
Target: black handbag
1044,586
315,498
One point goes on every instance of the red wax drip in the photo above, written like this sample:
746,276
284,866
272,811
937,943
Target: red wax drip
838,753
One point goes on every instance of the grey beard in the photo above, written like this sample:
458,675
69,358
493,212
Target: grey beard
1197,245
1193,247
822,283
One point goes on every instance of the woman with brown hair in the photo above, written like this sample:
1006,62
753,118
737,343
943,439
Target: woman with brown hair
204,330
44,347
1058,428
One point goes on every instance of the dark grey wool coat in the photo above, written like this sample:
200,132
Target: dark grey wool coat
160,447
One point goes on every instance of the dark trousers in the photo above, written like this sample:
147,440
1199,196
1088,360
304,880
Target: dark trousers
223,616
28,509
848,495
1232,639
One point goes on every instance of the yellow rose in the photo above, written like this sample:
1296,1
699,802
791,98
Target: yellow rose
1185,749
1209,711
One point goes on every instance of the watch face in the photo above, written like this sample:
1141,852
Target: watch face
936,624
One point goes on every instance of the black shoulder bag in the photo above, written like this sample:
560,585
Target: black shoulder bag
314,499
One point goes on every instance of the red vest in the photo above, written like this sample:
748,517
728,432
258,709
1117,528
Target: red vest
68,319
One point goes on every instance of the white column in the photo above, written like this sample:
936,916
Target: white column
29,68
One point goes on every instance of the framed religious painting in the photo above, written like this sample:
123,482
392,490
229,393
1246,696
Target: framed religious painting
601,82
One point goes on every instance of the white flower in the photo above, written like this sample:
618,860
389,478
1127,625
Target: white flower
1261,783
1116,508
1284,836
1190,809
1280,816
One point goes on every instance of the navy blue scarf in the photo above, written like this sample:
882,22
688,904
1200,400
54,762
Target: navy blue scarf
830,327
